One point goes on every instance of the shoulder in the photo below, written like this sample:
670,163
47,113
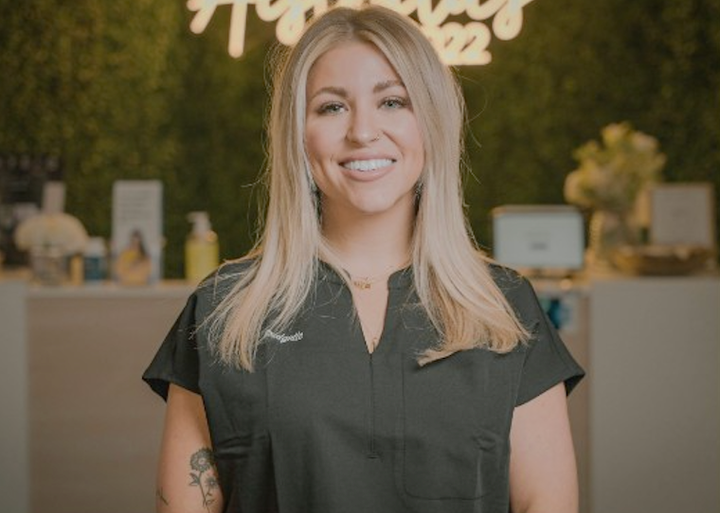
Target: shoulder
214,288
232,270
518,292
510,282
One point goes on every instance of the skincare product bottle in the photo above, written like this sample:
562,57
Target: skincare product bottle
201,248
95,260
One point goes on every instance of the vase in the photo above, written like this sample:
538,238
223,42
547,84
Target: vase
49,265
608,231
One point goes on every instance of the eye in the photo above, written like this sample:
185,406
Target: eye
395,102
330,108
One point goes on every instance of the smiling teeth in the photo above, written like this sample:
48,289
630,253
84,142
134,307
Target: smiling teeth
367,165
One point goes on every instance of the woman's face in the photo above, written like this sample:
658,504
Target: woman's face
362,138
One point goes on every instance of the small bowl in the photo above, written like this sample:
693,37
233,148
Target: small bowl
661,260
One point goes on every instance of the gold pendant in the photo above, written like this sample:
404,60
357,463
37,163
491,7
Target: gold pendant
362,284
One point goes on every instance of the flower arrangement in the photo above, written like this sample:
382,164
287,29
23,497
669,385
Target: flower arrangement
614,171
59,231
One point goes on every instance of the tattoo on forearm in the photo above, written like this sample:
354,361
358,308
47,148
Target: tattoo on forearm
161,496
203,475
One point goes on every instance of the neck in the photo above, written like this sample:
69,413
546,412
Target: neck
369,245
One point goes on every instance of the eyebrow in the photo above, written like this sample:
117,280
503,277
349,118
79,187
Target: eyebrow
381,86
342,92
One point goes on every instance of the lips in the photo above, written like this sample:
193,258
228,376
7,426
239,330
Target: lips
366,165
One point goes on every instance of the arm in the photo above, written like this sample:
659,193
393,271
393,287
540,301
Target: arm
543,475
187,479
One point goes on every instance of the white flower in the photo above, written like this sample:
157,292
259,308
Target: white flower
611,174
59,230
613,133
644,143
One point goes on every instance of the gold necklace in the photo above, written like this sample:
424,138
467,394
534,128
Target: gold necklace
366,282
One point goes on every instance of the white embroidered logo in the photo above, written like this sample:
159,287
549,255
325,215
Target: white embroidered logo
284,338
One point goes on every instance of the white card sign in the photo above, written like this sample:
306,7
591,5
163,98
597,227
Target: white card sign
683,214
137,236
542,239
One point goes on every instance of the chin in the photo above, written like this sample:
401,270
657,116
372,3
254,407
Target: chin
384,206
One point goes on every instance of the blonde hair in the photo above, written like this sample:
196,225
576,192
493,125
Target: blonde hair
451,276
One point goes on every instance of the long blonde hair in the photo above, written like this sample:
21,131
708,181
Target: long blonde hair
451,276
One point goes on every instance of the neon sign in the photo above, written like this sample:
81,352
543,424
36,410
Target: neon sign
455,43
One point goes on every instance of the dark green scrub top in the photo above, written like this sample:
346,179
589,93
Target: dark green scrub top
322,426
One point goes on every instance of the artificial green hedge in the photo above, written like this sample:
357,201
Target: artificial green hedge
122,89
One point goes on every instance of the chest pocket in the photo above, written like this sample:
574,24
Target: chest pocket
456,422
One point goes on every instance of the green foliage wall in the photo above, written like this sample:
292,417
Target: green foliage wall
123,90
579,65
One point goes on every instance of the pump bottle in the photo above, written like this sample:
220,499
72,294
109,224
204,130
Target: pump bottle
201,248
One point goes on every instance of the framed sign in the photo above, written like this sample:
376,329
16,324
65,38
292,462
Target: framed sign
683,214
137,231
539,239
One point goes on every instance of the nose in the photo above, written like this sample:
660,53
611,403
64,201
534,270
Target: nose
363,128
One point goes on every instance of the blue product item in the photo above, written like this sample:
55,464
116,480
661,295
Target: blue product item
95,260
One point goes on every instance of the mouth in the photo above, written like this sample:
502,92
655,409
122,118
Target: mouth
367,165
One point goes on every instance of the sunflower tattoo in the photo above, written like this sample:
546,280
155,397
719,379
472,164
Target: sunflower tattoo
203,462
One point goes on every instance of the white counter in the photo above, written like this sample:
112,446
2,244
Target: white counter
14,465
655,395
80,431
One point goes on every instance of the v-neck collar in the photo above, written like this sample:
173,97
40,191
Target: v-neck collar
400,279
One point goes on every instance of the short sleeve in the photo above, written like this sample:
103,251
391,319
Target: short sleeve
547,360
177,360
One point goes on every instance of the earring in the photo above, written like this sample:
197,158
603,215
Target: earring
317,201
311,180
314,192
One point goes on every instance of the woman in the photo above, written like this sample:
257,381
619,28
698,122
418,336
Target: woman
365,357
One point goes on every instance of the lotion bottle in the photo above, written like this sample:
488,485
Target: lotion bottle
201,248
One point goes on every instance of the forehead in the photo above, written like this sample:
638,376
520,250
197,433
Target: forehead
350,63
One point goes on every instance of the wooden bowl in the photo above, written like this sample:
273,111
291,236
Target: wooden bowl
659,260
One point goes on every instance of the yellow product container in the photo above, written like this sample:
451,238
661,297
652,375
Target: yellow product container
202,255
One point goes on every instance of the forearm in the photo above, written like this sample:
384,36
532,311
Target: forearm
189,485
187,478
